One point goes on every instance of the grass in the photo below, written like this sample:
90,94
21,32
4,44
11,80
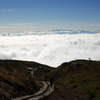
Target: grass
81,76
90,93
75,80
15,73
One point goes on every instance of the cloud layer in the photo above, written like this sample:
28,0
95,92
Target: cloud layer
51,49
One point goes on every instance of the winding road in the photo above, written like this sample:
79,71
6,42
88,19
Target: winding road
44,92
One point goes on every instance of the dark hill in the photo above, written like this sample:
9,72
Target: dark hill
15,78
80,76
75,80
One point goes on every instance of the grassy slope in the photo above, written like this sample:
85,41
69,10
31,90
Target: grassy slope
80,76
76,80
15,74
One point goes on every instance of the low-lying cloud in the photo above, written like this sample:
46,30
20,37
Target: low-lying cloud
51,49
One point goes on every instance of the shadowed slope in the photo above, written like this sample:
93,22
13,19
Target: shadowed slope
15,80
81,76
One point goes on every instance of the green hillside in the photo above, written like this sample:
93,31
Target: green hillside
80,76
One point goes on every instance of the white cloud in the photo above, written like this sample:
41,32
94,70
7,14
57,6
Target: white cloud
97,25
90,8
52,49
10,27
93,8
4,10
23,24
9,10
5,27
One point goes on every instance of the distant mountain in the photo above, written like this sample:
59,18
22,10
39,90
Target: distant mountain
63,31
58,31
92,32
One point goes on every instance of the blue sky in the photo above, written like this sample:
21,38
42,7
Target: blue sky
43,15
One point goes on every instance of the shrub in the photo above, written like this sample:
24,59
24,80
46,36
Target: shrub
90,93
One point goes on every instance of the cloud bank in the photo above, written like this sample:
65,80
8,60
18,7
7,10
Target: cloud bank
50,49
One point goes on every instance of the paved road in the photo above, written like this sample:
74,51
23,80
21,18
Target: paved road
44,92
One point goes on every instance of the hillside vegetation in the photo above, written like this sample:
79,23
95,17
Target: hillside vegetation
80,76
15,79
75,80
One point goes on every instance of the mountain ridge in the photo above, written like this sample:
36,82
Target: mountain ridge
57,31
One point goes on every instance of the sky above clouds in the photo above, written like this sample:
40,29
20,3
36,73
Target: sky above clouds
43,15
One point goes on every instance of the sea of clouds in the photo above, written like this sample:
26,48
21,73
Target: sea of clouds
51,49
